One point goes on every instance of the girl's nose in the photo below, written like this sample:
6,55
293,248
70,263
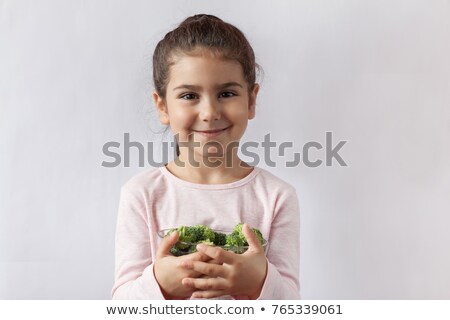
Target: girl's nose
210,111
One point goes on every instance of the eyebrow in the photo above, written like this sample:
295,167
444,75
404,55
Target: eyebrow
221,86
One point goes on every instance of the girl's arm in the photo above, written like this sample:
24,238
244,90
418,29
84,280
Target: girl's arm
134,274
283,255
137,275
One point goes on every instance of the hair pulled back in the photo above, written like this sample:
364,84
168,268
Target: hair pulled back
200,32
195,35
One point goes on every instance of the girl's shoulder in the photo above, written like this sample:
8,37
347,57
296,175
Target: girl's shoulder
274,181
143,180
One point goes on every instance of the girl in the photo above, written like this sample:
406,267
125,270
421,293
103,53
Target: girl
205,90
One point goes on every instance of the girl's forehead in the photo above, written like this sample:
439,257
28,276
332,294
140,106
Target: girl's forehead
192,61
205,69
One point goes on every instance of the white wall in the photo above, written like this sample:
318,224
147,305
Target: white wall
76,74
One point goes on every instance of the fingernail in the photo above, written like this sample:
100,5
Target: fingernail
200,246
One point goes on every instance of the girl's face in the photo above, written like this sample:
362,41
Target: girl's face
206,93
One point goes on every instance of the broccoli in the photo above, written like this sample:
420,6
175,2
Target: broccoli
190,236
237,238
209,243
220,239
205,233
176,252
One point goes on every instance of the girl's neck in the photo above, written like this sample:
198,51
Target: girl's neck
202,173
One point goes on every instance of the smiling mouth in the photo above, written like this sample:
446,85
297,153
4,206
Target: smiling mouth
212,131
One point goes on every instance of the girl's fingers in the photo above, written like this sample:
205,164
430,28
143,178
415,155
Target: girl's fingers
206,268
208,294
214,261
167,243
210,284
218,254
197,256
252,239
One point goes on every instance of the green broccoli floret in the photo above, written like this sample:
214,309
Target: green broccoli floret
220,239
179,250
204,233
192,249
237,237
238,228
175,251
234,241
191,235
187,235
207,242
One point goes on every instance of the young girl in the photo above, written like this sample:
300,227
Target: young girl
205,90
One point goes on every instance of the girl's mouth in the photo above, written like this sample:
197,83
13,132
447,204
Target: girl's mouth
212,133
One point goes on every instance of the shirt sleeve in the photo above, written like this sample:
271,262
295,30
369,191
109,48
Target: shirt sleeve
283,255
134,276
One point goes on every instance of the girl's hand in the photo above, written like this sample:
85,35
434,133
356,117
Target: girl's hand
168,271
231,274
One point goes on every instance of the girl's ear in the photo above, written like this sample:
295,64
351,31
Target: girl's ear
252,101
162,108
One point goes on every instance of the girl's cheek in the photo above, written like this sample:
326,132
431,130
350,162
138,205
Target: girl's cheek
236,111
178,114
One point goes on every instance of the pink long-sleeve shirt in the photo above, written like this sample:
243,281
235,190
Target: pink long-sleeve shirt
156,199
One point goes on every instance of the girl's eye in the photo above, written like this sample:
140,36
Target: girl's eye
190,96
228,94
187,96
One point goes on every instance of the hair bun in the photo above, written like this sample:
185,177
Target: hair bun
200,17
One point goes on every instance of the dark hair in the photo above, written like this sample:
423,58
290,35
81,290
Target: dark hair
200,32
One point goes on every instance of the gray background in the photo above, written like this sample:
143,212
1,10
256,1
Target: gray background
77,74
